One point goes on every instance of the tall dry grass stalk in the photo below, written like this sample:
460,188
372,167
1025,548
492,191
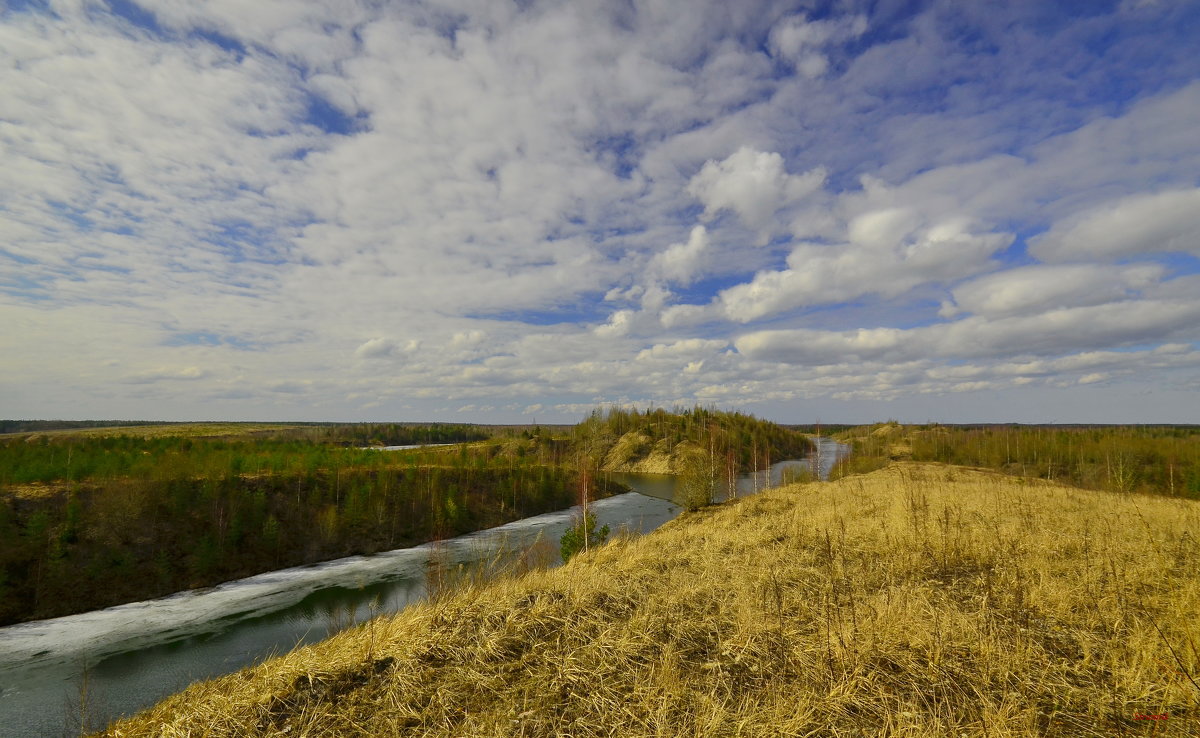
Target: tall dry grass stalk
919,600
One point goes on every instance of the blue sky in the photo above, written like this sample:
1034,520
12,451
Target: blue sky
499,212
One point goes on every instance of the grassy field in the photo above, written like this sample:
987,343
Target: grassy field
918,600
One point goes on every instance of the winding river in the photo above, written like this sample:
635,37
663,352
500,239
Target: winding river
85,670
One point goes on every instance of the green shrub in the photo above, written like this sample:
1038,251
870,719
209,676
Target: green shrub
583,528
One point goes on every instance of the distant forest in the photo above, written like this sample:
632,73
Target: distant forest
397,431
41,426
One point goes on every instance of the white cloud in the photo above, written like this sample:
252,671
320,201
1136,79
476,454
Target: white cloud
685,316
188,373
274,200
473,337
619,324
883,229
382,348
375,348
885,257
1156,223
1040,288
1050,333
754,184
685,349
802,41
681,262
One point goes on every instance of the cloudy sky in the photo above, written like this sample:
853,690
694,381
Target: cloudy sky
498,211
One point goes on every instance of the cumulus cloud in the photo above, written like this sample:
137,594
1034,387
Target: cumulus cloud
688,349
883,229
686,316
619,324
681,262
886,256
754,184
249,209
472,337
1054,332
1039,288
1155,223
375,348
382,348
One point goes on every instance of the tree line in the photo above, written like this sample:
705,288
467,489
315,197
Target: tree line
47,459
1146,459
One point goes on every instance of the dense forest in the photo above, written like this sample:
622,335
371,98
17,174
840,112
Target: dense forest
397,434
1147,459
89,520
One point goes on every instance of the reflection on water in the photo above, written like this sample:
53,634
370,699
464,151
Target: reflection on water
131,656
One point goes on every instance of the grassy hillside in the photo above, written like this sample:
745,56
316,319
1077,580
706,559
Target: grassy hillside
919,600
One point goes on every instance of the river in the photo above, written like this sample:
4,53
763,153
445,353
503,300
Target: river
85,670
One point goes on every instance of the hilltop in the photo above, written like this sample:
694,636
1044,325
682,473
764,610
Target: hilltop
661,442
918,600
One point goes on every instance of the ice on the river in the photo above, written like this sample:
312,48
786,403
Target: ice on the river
101,632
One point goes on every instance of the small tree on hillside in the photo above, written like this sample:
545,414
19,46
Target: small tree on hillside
581,536
695,481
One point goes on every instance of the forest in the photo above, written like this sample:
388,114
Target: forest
53,458
739,442
92,520
1163,460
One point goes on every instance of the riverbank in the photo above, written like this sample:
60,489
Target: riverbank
919,600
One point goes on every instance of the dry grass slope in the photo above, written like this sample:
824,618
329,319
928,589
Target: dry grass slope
919,600
635,452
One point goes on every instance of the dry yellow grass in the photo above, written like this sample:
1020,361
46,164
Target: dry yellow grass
919,600
635,452
34,490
